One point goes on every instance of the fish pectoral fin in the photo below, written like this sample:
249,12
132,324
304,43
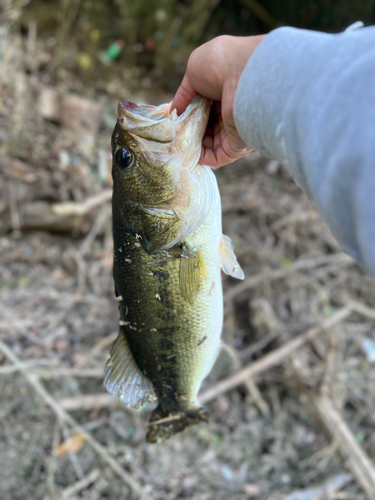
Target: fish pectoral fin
123,378
190,263
228,260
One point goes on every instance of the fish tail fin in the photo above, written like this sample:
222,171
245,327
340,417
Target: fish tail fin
164,424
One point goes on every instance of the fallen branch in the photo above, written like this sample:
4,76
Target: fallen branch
58,217
56,372
322,492
72,208
272,359
98,347
6,370
88,402
273,274
48,373
65,417
335,428
81,485
102,219
257,397
362,310
53,458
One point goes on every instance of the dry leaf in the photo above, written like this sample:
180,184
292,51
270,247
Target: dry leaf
71,445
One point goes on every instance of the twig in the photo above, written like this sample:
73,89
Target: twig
88,402
81,485
84,207
165,419
58,217
356,459
5,370
323,491
50,332
81,268
72,454
101,218
251,387
257,397
272,359
99,346
63,415
362,310
48,373
52,462
259,345
14,213
274,274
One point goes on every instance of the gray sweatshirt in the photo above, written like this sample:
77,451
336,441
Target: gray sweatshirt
307,99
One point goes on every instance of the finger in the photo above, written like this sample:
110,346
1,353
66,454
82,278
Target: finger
184,96
208,142
219,152
208,157
216,158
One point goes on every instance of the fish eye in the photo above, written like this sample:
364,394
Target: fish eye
124,158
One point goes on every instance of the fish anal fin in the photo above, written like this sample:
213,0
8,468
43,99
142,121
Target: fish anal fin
226,363
190,264
123,378
228,260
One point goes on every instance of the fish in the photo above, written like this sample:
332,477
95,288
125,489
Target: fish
168,254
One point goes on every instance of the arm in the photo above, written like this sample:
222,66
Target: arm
307,99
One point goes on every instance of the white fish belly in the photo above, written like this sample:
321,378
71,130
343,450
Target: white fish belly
209,307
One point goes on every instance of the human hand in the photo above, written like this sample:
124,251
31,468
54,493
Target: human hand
214,70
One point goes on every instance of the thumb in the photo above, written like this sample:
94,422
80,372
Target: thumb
184,96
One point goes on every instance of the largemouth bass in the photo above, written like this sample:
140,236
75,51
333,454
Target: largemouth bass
168,251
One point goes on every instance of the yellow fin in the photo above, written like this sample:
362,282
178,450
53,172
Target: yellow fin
123,378
228,260
189,274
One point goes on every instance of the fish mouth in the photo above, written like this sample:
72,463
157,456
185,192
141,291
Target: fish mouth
133,110
163,125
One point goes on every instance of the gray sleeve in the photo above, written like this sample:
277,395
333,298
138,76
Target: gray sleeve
307,99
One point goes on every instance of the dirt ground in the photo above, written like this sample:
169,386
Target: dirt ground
300,428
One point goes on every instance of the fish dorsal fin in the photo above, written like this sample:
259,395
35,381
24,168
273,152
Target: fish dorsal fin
228,260
123,378
189,274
